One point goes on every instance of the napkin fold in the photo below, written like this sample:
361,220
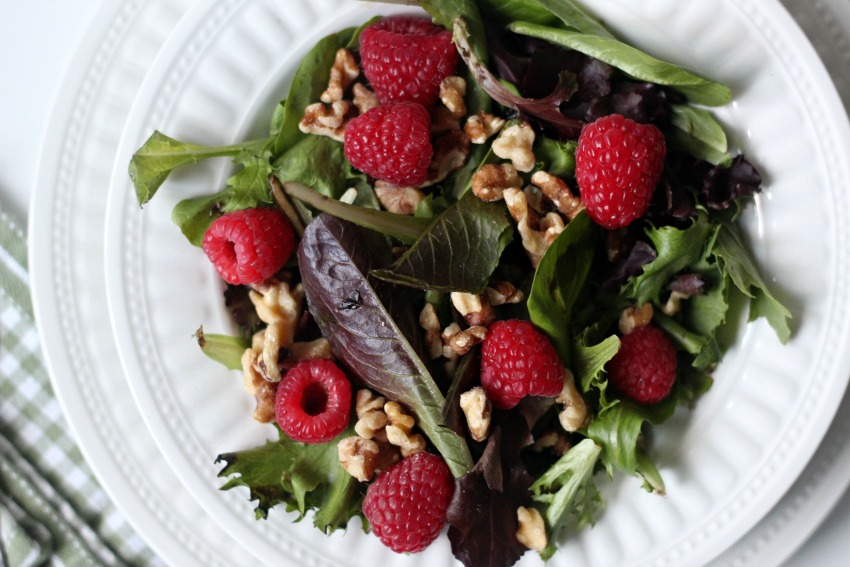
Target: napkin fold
52,510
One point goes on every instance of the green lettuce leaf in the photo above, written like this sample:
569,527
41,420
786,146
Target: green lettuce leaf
224,349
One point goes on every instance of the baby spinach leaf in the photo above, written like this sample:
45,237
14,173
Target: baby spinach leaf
310,80
736,262
558,280
405,228
567,489
571,14
317,162
698,133
632,61
506,11
457,252
448,13
151,165
195,215
335,258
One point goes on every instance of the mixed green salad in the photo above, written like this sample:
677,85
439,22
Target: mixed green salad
550,65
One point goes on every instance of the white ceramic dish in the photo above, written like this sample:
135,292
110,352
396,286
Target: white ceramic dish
726,464
59,234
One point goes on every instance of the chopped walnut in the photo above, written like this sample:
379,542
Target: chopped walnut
481,126
501,293
574,415
364,99
399,200
491,180
442,121
514,143
257,386
635,317
477,408
371,417
557,191
343,72
450,331
532,530
537,233
673,303
452,91
280,308
362,458
399,430
311,350
327,120
450,153
462,342
475,309
557,441
429,321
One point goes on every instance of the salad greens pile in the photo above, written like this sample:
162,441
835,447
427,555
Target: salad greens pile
549,63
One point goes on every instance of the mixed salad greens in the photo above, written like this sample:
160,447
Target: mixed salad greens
549,63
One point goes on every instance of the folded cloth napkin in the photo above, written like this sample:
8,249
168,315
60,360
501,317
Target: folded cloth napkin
52,511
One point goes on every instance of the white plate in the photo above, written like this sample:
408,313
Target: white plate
725,465
66,226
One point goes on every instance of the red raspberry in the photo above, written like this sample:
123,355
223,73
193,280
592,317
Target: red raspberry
406,505
618,165
644,368
406,58
313,401
391,142
250,245
517,361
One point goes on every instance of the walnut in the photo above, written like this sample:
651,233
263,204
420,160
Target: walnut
362,458
475,309
431,324
574,415
399,430
673,303
476,407
364,99
371,418
452,91
514,143
311,350
462,342
532,530
399,200
448,333
442,121
559,193
635,317
327,120
280,308
491,180
343,72
501,293
537,233
557,441
257,386
450,153
480,127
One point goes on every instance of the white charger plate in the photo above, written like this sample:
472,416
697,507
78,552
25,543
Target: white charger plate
726,464
52,262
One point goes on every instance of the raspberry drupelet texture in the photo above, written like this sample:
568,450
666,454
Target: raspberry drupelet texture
313,401
406,58
406,505
618,164
250,245
391,142
517,360
644,369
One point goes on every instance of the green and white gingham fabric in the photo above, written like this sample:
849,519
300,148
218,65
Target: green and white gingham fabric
52,511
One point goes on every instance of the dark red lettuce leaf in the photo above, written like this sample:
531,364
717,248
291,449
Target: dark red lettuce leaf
241,309
482,516
688,284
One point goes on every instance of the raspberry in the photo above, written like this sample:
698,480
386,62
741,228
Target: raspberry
391,142
313,401
517,360
644,368
406,505
406,58
618,165
250,245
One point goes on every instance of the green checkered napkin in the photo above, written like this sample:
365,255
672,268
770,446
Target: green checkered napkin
52,511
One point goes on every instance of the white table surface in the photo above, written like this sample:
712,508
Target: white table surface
41,36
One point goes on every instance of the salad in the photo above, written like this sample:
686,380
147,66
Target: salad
483,250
